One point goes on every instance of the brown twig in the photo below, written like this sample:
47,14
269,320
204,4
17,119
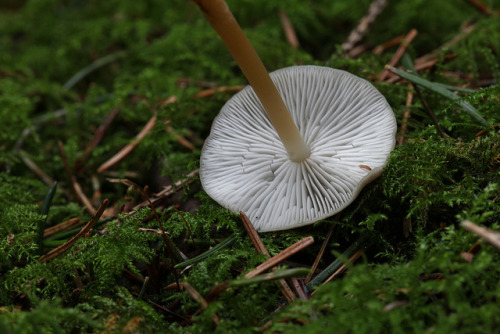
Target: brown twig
299,288
430,112
406,116
130,147
96,139
34,167
166,102
167,191
418,67
254,236
66,225
378,50
482,7
83,232
168,242
75,186
320,255
343,267
290,34
210,92
259,246
399,53
283,255
188,228
376,7
200,300
490,236
436,52
181,140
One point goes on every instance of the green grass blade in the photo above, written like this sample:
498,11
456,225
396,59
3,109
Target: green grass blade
322,276
442,91
44,211
226,243
92,67
278,274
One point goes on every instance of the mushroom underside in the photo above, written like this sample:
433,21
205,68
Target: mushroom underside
347,124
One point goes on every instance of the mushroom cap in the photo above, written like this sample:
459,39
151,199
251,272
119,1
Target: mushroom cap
347,124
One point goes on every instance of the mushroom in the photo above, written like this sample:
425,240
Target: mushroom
297,155
347,124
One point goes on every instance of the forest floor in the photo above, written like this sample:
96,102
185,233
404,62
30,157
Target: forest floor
104,224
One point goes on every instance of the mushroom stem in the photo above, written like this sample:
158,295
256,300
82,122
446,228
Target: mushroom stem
222,20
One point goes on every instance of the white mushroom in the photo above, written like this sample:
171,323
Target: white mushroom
345,122
296,146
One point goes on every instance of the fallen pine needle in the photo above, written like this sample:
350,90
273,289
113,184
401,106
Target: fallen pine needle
259,245
199,299
490,236
66,225
283,255
128,148
83,232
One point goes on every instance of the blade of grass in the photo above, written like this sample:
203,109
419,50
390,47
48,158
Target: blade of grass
92,67
322,276
277,274
442,91
44,211
224,244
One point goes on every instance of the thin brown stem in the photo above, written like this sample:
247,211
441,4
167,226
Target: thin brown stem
399,53
83,232
130,147
222,20
430,112
320,254
283,255
259,246
75,186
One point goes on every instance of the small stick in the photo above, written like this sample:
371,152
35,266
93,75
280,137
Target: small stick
490,236
418,67
434,54
34,167
210,92
75,186
181,139
170,100
96,139
66,225
482,7
290,34
378,50
128,148
343,267
430,112
320,255
83,232
199,298
376,7
168,191
283,255
299,288
399,53
254,236
259,245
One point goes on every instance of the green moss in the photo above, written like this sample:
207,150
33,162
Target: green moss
139,54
